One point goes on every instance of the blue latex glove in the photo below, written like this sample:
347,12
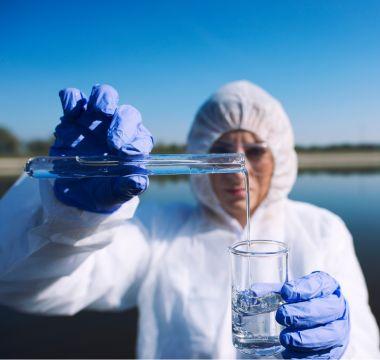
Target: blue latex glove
97,127
316,317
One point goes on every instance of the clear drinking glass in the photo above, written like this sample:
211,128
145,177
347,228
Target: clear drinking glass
259,269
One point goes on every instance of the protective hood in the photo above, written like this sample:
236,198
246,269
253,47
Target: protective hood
241,105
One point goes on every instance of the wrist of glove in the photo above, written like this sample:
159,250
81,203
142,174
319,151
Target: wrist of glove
315,316
99,126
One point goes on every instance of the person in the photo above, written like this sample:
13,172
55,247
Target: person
68,245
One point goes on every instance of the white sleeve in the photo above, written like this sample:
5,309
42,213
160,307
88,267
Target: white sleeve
344,265
57,259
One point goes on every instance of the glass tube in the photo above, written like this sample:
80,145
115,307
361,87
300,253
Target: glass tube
157,164
258,268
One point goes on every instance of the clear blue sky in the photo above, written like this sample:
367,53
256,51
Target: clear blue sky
320,58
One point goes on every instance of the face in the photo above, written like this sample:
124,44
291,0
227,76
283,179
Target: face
229,188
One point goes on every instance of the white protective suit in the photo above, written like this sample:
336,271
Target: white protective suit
174,266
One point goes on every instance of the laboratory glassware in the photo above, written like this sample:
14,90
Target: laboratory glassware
156,164
258,270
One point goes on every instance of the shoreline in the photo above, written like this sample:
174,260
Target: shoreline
314,161
336,161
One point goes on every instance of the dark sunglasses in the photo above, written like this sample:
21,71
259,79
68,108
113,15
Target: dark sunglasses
252,151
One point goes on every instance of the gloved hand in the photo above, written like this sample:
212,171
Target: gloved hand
97,127
316,316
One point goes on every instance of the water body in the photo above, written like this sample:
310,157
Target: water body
354,197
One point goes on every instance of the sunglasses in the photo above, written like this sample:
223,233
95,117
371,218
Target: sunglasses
253,152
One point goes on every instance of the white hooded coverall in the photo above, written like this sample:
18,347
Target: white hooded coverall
174,265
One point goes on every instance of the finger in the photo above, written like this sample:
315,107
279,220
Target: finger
319,338
104,98
334,353
141,144
128,186
127,134
262,289
72,100
124,126
314,285
311,313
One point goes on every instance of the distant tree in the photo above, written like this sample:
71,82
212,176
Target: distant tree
9,143
38,147
338,148
161,148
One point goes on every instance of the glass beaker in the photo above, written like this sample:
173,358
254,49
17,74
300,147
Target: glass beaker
259,268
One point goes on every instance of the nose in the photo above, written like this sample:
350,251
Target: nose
235,179
248,164
239,148
238,178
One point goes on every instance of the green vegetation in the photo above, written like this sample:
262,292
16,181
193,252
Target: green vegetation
161,148
10,146
38,147
346,148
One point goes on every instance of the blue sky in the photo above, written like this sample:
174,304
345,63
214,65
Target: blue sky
321,59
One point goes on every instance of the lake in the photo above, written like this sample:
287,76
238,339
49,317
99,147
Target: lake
353,196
